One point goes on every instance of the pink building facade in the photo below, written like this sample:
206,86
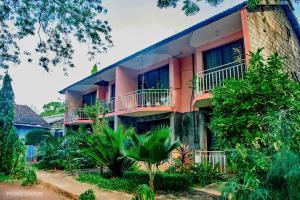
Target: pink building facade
170,82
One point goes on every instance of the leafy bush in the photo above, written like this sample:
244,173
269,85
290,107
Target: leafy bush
63,153
132,179
254,119
143,192
103,147
164,181
35,137
88,195
118,184
29,178
205,174
184,160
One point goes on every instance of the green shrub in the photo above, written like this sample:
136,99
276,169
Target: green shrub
205,174
164,181
118,184
5,178
87,195
35,137
143,192
29,178
132,179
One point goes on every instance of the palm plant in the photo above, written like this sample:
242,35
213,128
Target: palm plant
150,148
103,147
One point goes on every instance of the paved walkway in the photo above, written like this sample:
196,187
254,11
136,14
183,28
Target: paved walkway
66,185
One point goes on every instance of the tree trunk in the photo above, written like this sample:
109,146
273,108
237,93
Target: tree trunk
151,176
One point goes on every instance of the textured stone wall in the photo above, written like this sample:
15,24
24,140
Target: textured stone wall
268,27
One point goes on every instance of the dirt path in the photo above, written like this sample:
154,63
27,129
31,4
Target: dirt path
13,191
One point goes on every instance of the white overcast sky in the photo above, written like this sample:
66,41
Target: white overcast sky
136,24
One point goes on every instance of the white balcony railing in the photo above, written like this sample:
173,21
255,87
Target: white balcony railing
207,80
76,114
146,98
109,105
216,158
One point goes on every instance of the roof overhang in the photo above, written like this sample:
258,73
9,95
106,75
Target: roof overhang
178,45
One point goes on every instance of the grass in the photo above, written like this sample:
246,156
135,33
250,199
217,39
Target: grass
5,178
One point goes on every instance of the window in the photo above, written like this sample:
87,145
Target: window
89,99
113,91
287,34
154,79
223,55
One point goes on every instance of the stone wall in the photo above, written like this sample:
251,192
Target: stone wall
269,27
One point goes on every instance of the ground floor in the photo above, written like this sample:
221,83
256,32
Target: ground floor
190,128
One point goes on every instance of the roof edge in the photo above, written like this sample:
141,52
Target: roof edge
201,24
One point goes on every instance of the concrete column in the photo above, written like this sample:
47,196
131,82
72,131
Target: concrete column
172,127
202,133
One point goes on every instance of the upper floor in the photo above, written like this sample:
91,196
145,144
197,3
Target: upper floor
177,74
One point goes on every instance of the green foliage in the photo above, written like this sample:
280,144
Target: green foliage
94,69
12,149
5,178
192,7
184,160
163,181
35,137
255,119
54,22
63,153
131,179
103,147
204,174
151,148
30,178
143,192
87,195
53,108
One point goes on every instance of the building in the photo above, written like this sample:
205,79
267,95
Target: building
153,86
26,120
56,123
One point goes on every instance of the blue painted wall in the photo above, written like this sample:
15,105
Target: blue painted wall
22,131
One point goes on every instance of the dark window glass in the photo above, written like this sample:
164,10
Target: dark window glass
223,55
113,91
158,78
89,99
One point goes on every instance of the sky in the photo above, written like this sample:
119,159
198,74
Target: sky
136,24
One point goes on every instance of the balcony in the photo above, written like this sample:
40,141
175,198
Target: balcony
76,115
209,79
146,102
109,105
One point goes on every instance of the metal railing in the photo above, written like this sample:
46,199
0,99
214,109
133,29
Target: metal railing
145,98
109,105
76,114
207,80
217,159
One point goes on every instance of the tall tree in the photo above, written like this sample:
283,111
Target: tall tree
53,108
57,23
11,148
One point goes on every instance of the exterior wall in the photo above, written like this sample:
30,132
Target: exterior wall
267,27
175,82
126,81
186,76
73,99
210,45
102,91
